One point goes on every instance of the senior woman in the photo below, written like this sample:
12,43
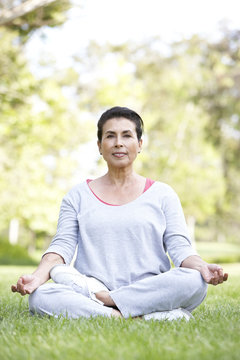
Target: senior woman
122,225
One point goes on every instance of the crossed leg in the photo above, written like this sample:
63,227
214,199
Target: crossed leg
179,287
58,299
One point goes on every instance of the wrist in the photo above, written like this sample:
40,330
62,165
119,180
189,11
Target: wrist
201,266
40,276
194,262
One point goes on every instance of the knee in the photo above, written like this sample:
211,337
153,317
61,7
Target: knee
201,285
196,282
36,299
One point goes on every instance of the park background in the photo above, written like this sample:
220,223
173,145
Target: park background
62,63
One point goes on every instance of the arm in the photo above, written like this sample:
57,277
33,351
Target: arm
211,273
176,237
60,251
179,246
28,283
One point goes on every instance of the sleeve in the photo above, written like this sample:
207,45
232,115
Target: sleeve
176,238
65,241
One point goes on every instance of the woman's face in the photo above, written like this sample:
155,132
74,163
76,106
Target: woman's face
119,145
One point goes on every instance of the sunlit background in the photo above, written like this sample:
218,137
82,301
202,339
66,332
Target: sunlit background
177,63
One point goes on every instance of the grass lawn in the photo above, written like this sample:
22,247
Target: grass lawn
213,334
217,252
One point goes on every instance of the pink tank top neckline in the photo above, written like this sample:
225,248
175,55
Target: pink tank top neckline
148,183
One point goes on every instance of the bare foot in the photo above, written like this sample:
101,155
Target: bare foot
105,298
108,301
116,313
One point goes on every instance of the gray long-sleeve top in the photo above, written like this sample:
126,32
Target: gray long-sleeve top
122,244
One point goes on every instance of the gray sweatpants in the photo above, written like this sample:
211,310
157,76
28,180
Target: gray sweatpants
179,287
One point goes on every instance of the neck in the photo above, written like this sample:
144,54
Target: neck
120,176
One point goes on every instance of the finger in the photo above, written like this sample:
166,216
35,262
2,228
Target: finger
225,277
13,288
220,276
21,287
207,276
23,292
215,278
210,282
214,267
28,290
214,282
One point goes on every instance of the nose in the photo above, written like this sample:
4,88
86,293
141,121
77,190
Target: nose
118,143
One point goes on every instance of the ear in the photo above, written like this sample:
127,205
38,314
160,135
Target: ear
99,146
140,144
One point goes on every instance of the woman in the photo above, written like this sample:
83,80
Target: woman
123,225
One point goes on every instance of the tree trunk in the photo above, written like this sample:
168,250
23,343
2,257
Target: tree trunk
8,15
191,221
13,231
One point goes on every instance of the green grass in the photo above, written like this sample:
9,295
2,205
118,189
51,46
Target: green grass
213,334
217,252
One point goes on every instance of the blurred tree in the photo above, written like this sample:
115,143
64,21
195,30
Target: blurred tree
12,12
215,92
40,134
177,151
169,87
219,97
28,15
187,93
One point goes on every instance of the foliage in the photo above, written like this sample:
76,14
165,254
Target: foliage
54,14
179,93
220,99
187,94
214,333
14,255
40,134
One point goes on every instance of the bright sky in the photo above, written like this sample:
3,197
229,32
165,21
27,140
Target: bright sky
118,21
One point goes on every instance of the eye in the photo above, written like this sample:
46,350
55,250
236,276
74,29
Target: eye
127,135
109,136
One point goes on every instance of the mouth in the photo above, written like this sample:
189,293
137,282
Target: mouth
119,154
